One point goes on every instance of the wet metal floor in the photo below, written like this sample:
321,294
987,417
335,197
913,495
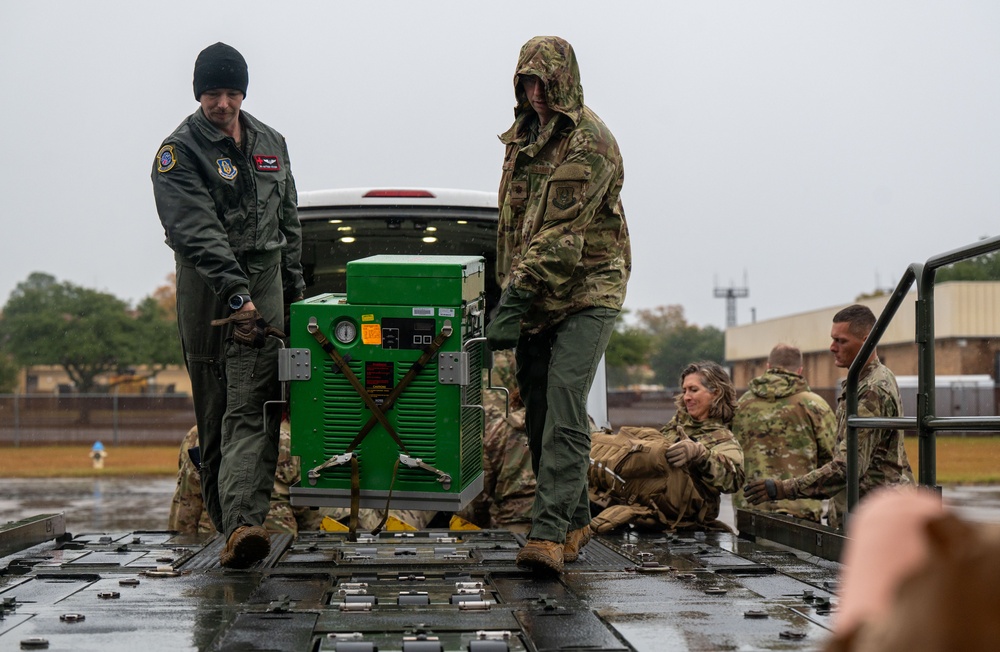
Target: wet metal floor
413,592
123,583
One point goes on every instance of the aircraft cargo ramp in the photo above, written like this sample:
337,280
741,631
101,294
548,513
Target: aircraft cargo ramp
406,591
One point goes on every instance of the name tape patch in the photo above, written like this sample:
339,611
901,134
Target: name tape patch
266,163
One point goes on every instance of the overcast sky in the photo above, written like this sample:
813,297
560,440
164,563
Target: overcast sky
806,150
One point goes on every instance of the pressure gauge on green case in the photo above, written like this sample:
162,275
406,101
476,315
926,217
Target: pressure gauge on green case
345,331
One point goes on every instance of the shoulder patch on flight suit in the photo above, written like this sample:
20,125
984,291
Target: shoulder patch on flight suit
165,159
564,195
567,185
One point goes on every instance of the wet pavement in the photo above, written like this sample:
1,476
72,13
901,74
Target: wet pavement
90,504
143,503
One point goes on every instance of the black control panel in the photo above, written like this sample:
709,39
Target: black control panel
403,333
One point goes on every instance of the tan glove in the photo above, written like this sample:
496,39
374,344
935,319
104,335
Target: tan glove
685,451
249,328
765,489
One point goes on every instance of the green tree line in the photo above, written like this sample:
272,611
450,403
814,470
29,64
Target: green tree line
980,268
86,332
656,345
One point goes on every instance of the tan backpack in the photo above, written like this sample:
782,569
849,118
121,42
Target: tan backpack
630,477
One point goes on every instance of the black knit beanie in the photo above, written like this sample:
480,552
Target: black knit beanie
220,66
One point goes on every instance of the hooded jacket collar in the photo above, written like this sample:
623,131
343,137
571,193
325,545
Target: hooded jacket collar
552,60
778,383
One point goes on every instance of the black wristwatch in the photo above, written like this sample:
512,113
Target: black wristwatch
237,300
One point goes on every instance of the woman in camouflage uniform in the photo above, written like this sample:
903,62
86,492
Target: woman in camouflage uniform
673,478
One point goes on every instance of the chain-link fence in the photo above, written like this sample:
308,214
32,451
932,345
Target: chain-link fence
36,419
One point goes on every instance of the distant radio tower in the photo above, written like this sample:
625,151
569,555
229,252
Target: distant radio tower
731,294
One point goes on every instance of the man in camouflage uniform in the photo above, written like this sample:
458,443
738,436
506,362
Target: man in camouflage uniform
188,513
881,456
563,260
508,480
226,199
785,430
187,509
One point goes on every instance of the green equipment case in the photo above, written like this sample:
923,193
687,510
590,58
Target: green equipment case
398,312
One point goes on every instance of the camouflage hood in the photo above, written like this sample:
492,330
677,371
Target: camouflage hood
778,383
552,60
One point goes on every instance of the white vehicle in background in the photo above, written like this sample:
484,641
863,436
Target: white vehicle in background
345,224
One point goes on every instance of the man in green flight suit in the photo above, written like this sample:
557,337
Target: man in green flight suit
563,261
226,198
187,507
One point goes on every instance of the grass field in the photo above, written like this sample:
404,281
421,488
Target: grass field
74,461
960,460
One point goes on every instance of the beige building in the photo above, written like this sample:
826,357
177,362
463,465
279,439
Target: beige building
966,331
53,379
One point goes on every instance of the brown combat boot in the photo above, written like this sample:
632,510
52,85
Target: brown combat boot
541,556
247,545
575,541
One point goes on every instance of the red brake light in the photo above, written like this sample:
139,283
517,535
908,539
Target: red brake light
399,193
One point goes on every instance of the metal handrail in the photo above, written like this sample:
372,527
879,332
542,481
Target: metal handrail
926,422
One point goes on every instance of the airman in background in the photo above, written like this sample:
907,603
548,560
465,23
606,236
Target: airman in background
784,429
881,456
508,481
188,514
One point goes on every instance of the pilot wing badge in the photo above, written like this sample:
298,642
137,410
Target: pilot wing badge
266,163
